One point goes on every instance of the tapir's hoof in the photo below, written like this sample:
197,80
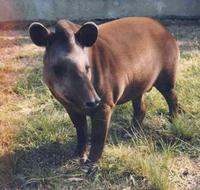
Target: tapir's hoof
83,159
181,110
131,132
78,155
90,168
127,135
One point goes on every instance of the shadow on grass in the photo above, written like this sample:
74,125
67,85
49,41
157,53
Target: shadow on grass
35,168
29,168
174,133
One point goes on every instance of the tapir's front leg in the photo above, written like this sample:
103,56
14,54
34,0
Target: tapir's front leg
100,125
80,123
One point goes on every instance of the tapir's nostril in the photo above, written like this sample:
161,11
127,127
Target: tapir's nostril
98,101
93,104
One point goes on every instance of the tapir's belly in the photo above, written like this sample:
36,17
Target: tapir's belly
137,86
131,92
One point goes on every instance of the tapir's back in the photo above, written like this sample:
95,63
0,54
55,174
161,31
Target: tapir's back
135,36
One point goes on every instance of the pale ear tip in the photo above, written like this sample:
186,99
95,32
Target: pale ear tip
92,23
35,23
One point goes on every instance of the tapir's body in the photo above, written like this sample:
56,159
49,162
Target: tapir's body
123,60
131,56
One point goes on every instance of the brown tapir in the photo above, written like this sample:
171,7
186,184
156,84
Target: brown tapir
90,69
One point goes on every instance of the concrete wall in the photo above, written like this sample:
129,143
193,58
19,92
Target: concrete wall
51,10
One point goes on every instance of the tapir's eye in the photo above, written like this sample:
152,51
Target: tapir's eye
87,68
60,70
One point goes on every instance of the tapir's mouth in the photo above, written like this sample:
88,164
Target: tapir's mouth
80,106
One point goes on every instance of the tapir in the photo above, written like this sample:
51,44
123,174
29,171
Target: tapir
92,68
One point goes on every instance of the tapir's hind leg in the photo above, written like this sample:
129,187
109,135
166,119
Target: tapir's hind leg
171,99
166,87
139,111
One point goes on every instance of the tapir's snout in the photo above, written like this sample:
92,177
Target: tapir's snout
93,103
82,96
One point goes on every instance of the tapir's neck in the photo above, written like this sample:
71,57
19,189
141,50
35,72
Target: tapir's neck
99,61
90,53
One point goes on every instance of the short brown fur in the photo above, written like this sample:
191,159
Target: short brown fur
130,56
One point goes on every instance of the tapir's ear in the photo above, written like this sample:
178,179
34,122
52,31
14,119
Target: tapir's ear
39,34
87,34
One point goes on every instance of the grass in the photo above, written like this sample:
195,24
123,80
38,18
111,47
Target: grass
37,137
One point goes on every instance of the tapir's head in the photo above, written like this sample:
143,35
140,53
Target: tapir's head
67,70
